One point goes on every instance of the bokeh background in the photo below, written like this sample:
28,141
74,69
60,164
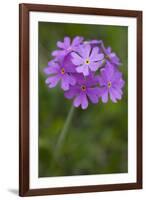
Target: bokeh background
96,141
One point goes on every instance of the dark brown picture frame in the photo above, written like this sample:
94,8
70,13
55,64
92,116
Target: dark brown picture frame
24,187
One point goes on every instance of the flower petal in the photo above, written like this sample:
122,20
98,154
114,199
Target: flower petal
104,95
114,94
111,55
86,51
100,57
68,65
60,45
59,53
121,83
64,83
94,66
91,80
118,84
73,91
67,42
77,101
72,80
52,68
93,94
83,69
94,54
117,75
52,81
77,60
77,40
69,79
84,101
108,50
103,78
108,72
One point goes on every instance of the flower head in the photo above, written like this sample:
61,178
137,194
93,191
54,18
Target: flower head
84,90
75,66
87,59
67,46
60,71
111,83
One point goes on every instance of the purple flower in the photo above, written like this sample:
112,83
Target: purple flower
84,90
111,56
67,46
86,59
111,83
60,71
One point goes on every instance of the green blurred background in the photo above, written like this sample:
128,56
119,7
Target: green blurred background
97,138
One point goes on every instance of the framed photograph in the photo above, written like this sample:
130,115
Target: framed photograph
80,99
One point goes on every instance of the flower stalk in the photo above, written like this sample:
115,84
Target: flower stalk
64,131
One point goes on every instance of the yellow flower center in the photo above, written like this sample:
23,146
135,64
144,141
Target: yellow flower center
62,71
87,61
107,56
109,84
83,88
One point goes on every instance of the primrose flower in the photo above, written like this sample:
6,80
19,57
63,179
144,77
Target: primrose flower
111,56
87,59
111,83
60,71
67,46
84,90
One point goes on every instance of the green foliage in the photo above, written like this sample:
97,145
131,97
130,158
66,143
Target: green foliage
96,142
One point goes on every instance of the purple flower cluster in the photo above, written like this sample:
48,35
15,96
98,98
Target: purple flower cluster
86,71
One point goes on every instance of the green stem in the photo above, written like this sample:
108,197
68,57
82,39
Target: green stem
64,131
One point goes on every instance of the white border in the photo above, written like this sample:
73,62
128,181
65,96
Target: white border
129,177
